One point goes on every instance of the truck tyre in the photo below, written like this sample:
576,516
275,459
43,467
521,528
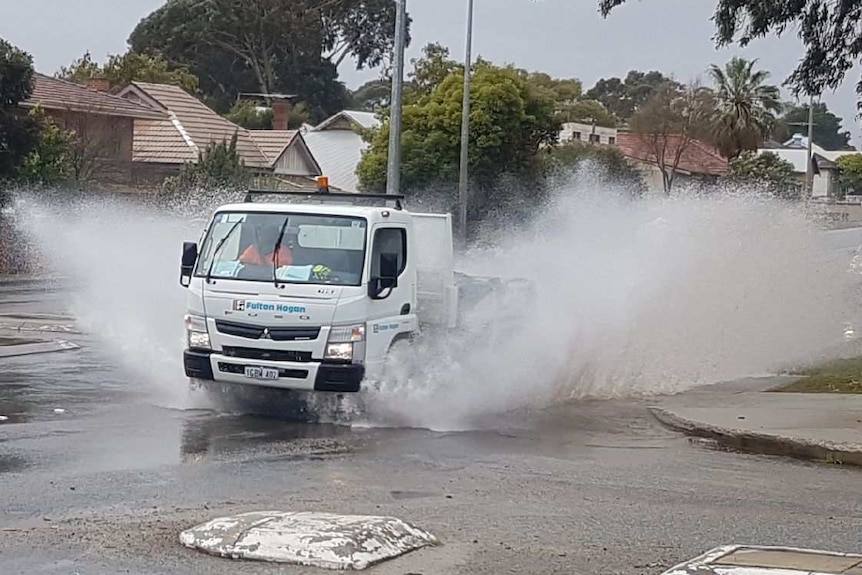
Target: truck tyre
398,366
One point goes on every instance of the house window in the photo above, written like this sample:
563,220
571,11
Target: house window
612,140
576,136
389,241
594,138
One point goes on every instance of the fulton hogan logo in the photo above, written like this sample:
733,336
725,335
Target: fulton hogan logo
249,305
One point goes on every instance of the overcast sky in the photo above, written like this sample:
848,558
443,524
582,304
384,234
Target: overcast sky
562,37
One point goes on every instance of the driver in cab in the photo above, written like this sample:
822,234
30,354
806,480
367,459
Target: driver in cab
263,252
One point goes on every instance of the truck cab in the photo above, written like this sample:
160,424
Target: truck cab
311,291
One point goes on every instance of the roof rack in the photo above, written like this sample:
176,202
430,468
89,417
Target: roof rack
342,198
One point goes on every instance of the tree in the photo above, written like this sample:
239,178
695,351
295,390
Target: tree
850,179
669,122
768,170
828,28
18,135
827,127
51,161
589,111
430,70
612,165
121,70
746,106
269,46
623,98
219,166
509,118
372,96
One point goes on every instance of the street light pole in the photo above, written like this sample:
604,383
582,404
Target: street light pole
393,168
465,130
809,168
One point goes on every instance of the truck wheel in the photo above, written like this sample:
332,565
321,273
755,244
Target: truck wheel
398,366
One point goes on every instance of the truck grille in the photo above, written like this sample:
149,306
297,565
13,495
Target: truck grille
275,333
267,354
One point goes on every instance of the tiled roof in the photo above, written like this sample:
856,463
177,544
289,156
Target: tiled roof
697,157
272,142
192,123
160,141
338,152
54,94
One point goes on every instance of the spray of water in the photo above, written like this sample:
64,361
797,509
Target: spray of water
634,297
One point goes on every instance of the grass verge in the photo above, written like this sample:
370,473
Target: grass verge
836,376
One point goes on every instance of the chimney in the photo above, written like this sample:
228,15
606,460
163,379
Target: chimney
281,114
99,85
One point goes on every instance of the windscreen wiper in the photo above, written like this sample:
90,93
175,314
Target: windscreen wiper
218,247
275,250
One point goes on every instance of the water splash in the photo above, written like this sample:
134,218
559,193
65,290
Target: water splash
635,297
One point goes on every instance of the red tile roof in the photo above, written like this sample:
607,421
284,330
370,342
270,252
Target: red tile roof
697,157
54,94
189,127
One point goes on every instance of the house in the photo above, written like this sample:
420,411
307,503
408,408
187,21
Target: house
187,128
590,133
290,160
825,163
337,145
698,161
103,123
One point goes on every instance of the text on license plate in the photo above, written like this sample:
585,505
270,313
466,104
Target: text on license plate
267,373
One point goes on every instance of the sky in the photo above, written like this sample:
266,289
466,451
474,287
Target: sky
565,38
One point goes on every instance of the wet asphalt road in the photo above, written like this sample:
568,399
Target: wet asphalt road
596,487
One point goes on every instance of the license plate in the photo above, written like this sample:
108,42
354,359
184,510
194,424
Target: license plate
266,373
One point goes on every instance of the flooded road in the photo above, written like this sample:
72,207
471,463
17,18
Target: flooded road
98,476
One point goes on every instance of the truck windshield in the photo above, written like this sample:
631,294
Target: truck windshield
311,249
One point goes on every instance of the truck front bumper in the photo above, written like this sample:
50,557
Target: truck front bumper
311,376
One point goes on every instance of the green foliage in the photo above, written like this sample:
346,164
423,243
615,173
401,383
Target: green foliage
269,46
767,170
52,159
827,127
850,178
372,96
622,98
121,70
510,120
430,70
588,111
829,30
254,116
251,115
218,167
19,134
745,106
612,166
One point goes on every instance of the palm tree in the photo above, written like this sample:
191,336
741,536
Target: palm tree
745,106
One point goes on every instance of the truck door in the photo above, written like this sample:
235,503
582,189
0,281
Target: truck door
391,309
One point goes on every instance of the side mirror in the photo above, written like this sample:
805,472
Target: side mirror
187,264
387,278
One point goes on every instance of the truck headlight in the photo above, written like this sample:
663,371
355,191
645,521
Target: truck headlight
340,351
343,341
197,334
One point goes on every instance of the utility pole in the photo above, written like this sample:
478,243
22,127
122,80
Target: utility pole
809,168
465,130
393,168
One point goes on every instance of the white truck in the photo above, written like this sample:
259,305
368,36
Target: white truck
314,295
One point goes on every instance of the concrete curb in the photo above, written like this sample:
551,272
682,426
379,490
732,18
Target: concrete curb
36,347
763,443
